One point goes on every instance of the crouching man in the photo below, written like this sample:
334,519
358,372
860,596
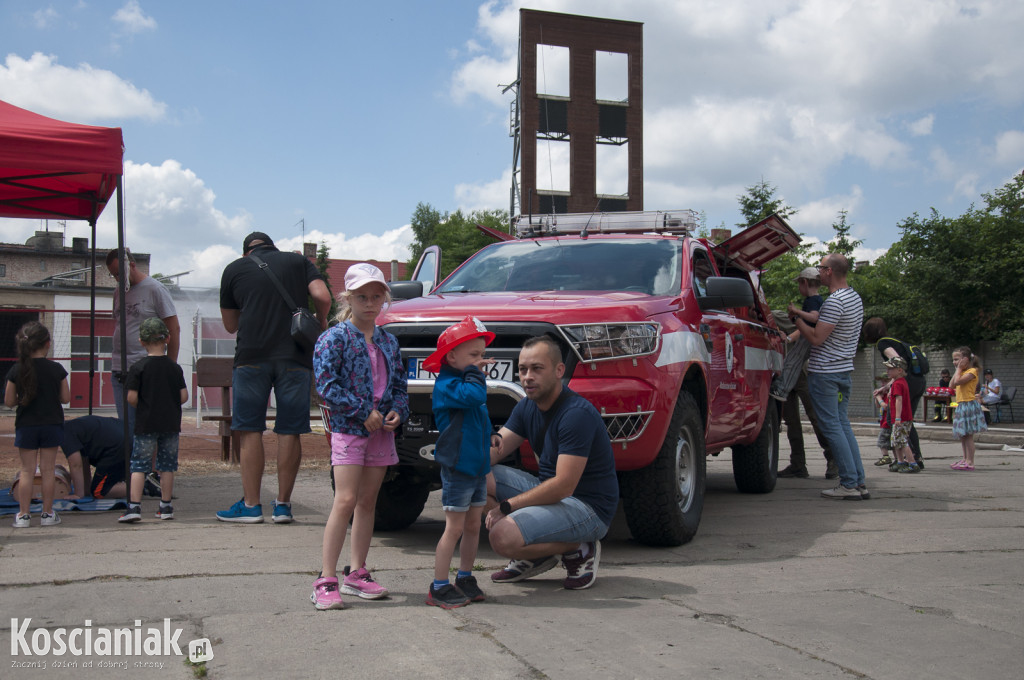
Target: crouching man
562,513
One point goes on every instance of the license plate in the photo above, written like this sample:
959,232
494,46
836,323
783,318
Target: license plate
502,369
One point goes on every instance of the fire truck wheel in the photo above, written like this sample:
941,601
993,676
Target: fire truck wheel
401,500
664,501
755,465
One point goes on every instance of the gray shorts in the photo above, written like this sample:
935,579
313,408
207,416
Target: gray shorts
885,439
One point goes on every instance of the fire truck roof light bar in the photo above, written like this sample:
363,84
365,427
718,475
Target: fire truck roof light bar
642,221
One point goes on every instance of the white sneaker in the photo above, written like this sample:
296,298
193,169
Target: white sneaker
21,521
49,519
840,492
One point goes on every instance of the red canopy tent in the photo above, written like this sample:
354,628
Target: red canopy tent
53,169
49,168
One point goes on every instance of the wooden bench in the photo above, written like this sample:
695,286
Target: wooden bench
216,372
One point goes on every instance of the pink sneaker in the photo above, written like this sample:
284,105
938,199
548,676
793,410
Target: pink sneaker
325,593
361,584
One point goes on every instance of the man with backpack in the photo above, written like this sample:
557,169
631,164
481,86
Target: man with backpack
875,332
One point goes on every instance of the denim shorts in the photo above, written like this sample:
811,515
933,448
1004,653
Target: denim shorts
250,393
460,491
568,521
163,444
39,436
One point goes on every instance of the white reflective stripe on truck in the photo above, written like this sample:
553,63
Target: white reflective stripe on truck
755,359
682,347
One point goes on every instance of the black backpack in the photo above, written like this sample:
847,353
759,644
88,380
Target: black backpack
918,358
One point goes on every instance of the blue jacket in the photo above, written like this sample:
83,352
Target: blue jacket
460,414
344,378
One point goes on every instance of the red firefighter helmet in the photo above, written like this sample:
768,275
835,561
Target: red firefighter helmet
453,336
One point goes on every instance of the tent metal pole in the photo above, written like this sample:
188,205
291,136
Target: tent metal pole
92,315
122,278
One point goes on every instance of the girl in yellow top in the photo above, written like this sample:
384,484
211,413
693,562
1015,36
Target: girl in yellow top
968,418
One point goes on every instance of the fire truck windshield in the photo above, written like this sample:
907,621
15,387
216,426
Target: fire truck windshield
642,265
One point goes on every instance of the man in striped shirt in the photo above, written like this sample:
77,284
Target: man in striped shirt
833,344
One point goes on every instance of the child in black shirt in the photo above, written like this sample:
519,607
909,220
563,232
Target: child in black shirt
156,388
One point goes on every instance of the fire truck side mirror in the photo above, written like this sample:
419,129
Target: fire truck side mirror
724,292
406,290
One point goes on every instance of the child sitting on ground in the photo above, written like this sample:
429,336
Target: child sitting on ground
156,388
463,450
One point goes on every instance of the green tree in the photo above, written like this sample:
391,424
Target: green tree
779,277
760,201
455,233
961,280
323,254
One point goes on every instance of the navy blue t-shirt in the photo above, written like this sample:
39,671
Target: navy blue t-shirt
100,439
813,303
576,429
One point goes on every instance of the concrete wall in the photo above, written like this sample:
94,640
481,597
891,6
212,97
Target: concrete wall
1007,366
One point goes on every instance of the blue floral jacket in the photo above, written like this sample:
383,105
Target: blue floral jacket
344,379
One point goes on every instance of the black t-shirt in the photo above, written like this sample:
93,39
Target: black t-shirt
159,382
45,409
100,440
576,429
264,326
916,383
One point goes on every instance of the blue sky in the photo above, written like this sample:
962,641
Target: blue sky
256,115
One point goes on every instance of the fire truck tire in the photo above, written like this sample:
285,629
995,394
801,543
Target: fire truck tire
664,501
401,500
755,465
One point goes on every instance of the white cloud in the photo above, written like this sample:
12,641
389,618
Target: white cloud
132,19
967,185
44,18
795,91
1010,148
922,126
82,94
942,165
818,216
492,195
171,214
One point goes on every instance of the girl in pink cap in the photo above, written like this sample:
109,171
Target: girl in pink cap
360,378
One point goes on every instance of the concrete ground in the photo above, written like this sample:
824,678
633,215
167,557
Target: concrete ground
926,579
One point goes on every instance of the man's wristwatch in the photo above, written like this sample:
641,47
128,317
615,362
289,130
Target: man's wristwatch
505,508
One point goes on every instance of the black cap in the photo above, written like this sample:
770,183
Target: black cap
256,236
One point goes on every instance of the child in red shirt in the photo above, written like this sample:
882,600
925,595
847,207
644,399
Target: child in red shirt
900,416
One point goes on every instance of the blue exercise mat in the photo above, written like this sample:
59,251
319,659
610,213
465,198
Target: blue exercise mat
9,504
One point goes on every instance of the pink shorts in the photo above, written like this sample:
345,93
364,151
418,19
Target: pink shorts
377,450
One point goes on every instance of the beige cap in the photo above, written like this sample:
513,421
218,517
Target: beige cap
809,273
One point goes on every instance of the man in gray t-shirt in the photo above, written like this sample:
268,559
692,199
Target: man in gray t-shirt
145,298
833,346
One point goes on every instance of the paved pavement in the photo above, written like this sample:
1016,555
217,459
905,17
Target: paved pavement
924,580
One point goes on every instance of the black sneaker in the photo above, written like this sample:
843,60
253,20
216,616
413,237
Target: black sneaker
469,588
791,471
864,493
447,597
132,514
